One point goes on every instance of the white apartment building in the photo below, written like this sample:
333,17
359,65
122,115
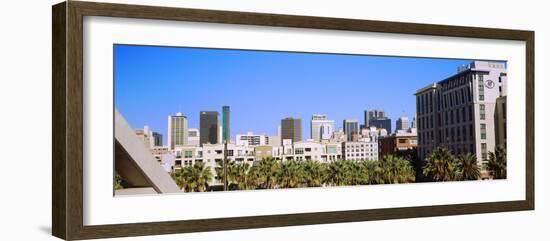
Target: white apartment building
458,112
193,137
360,151
251,139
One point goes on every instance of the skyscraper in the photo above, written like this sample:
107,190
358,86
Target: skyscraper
209,127
177,130
402,123
226,134
291,128
373,114
351,129
378,119
321,127
157,139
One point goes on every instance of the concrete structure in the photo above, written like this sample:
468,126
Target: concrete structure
500,121
398,143
251,139
165,157
291,129
177,130
321,127
209,127
226,129
351,129
145,135
457,112
402,123
193,137
135,163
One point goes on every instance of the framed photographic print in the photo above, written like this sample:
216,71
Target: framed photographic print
171,120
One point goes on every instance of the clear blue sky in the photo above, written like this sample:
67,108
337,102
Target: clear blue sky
262,87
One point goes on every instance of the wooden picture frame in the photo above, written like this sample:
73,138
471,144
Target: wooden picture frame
67,123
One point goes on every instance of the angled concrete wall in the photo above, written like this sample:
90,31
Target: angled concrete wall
135,163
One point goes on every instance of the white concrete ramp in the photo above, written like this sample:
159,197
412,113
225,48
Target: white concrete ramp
135,163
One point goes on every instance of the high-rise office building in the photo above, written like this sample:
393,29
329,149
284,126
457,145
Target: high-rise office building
384,123
157,139
458,112
373,114
321,127
226,134
209,127
177,130
402,123
378,119
291,129
351,129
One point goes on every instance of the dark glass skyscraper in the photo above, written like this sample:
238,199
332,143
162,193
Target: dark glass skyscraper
209,127
382,123
226,133
291,128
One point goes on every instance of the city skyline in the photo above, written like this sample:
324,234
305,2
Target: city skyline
344,90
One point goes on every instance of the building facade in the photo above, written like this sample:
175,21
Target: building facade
360,151
401,142
351,129
291,129
500,121
457,112
209,127
372,115
226,128
177,130
402,123
321,127
251,139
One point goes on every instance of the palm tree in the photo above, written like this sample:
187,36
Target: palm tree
468,168
496,164
337,173
357,173
193,178
441,166
269,172
396,170
254,178
237,175
375,172
314,173
219,170
291,174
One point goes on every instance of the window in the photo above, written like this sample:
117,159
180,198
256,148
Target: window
483,131
482,112
484,151
481,88
188,154
299,151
